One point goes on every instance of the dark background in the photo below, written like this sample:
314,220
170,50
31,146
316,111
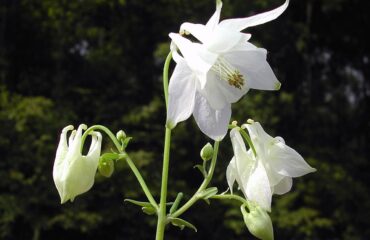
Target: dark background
99,62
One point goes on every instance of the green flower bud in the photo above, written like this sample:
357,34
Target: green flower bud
121,135
106,164
207,152
106,168
258,222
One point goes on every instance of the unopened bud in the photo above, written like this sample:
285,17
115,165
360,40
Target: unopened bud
106,167
121,135
207,152
258,222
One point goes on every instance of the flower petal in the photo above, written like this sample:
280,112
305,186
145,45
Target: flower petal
61,161
198,59
231,174
238,24
286,161
212,92
213,21
258,187
199,31
181,94
283,186
222,40
244,162
213,123
253,66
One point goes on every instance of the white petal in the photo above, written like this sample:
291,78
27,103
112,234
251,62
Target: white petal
258,187
284,186
213,123
82,171
231,93
286,161
199,31
239,24
197,57
244,45
60,160
181,94
244,162
222,40
231,174
212,92
253,66
213,21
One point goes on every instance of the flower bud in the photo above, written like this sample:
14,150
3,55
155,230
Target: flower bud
258,222
121,135
207,152
106,167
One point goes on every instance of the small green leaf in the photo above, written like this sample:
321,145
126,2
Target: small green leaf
138,203
109,156
181,223
207,193
125,143
149,210
201,169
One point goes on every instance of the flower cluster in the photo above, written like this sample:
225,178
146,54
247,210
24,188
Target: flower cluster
210,74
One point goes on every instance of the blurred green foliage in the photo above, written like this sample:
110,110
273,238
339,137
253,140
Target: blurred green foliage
99,62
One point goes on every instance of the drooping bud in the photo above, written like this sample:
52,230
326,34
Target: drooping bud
74,173
207,152
258,221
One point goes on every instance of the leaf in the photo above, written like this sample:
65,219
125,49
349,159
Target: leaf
149,210
126,142
207,193
201,169
138,203
109,156
181,223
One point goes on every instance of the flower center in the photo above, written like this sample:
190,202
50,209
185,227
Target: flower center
228,73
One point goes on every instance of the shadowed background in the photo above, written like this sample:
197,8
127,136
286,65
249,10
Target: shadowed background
99,62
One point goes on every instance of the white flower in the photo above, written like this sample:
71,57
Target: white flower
269,172
74,173
211,75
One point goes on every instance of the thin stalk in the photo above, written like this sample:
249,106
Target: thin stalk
165,77
162,218
249,141
128,160
231,197
141,181
204,184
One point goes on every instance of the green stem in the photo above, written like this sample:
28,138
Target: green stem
165,77
203,186
231,197
141,181
128,160
162,218
249,141
104,129
176,202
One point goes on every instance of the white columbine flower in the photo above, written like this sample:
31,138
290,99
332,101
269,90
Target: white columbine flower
269,172
211,75
74,173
